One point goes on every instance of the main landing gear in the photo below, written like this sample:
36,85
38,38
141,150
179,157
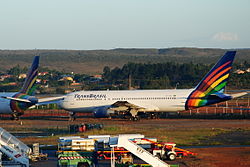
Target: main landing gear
132,115
72,116
136,118
16,116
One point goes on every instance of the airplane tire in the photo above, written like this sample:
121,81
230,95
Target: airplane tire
136,118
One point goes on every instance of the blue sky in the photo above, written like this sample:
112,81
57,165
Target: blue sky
108,24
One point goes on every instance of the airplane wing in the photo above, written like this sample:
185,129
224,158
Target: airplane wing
49,100
137,106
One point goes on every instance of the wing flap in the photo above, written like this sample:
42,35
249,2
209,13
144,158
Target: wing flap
134,105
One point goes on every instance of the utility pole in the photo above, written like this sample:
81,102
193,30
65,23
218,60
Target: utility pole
129,82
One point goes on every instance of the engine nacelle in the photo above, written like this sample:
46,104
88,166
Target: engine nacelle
102,112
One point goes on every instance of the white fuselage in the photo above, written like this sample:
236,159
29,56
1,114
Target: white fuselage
5,103
151,100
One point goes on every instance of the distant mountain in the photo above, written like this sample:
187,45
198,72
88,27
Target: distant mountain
93,61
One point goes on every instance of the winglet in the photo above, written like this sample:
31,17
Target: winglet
28,86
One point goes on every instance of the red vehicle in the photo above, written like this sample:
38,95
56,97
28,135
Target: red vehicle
165,150
104,155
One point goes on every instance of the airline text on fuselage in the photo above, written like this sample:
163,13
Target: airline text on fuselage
95,96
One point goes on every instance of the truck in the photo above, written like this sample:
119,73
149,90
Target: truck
76,152
163,150
77,159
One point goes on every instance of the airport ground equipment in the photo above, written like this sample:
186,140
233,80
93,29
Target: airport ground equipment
167,150
14,148
75,128
36,155
76,152
77,159
106,154
123,146
124,141
76,143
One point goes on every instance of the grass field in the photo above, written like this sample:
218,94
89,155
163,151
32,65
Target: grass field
180,131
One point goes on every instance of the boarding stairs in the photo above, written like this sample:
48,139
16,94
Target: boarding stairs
14,148
125,142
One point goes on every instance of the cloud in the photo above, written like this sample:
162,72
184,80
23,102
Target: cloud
225,36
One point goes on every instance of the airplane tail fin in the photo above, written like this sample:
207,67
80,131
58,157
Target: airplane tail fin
212,86
28,86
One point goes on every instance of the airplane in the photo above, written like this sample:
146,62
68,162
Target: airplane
15,103
130,103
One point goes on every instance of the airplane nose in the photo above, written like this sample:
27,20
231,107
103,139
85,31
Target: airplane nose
61,104
64,104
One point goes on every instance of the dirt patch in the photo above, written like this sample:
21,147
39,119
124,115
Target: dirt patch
220,157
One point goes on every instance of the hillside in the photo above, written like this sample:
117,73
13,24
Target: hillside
93,61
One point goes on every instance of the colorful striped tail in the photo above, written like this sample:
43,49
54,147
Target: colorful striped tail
213,83
28,86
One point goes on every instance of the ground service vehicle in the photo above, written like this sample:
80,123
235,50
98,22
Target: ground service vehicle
77,159
168,151
75,151
164,150
106,154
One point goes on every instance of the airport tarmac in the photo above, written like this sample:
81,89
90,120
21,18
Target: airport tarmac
228,156
230,136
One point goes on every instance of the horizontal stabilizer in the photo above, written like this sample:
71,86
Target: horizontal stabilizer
17,99
238,94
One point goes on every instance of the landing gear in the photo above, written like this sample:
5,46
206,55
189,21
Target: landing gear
16,116
131,116
72,116
135,118
134,115
153,116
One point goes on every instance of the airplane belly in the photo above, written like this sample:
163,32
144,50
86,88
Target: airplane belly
82,109
83,106
172,106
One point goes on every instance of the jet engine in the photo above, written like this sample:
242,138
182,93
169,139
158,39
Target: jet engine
103,112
